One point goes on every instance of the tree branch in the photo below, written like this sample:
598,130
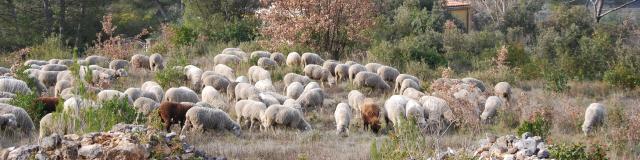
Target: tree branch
617,8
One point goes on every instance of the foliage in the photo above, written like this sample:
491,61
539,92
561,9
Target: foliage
222,21
405,142
555,80
538,127
110,113
622,75
27,101
171,76
115,46
52,47
184,36
578,151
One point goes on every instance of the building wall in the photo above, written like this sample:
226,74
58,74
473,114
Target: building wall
461,14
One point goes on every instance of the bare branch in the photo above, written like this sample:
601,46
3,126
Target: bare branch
617,8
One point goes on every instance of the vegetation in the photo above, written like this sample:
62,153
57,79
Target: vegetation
578,151
109,113
538,127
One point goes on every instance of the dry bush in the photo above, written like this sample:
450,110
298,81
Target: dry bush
116,47
466,112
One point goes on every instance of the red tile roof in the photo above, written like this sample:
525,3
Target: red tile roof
454,3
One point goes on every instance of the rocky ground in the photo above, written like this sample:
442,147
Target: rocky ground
510,147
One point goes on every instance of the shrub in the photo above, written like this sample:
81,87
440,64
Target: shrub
555,80
622,76
26,102
110,113
578,151
170,76
405,142
184,36
52,47
538,127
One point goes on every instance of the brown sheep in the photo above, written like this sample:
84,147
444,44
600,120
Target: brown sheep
172,113
49,104
371,115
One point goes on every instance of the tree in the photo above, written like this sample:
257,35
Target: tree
325,25
599,12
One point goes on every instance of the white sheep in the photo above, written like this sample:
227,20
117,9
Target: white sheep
24,123
133,93
278,57
491,106
311,58
8,121
145,106
118,64
249,111
13,86
236,52
225,71
373,67
194,76
55,123
293,59
369,79
245,91
503,90
343,118
256,73
65,76
218,82
267,99
53,61
53,67
387,73
267,63
181,94
284,116
330,65
265,85
203,119
260,54
281,98
356,99
97,60
156,62
242,79
415,111
139,61
437,109
212,97
61,85
395,110
341,72
594,116
317,72
66,62
408,83
293,77
401,79
154,90
475,82
106,95
226,59
36,62
48,78
413,93
311,98
292,103
311,85
294,90
355,69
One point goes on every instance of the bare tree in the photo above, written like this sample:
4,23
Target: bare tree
599,12
494,9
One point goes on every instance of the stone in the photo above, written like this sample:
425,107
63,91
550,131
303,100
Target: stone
69,150
512,150
127,151
541,145
128,128
491,138
497,150
170,136
187,156
91,151
526,135
23,152
520,155
543,153
41,156
72,137
508,157
51,142
529,146
538,139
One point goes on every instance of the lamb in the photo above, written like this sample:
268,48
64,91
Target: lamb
156,62
408,83
401,79
260,54
267,63
284,116
226,59
106,95
293,77
474,82
23,121
257,73
341,72
139,61
293,59
396,111
491,106
212,97
181,94
503,90
373,67
203,119
370,113
118,64
330,65
172,113
311,58
134,93
369,79
145,106
278,57
245,91
356,99
249,111
242,79
225,71
61,85
54,67
413,93
13,86
387,73
355,69
316,72
216,81
343,118
294,90
594,116
311,98
8,121
265,86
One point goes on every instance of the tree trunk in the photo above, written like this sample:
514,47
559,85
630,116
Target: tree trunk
14,15
47,15
61,20
82,14
162,10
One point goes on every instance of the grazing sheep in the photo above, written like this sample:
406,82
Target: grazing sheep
54,67
292,103
97,60
75,104
236,52
106,95
267,99
311,58
55,123
311,98
293,59
8,121
48,78
370,113
369,79
172,113
203,119
267,63
265,86
154,90
311,85
491,106
53,61
413,93
474,82
14,86
245,91
408,83
118,64
503,90
133,93
316,72
231,91
242,79
355,69
225,71
145,106
7,95
36,62
415,111
278,57
194,76
181,94
356,99
284,116
281,98
48,104
61,85
395,109
343,118
23,120
373,67
66,76
293,77
260,54
437,109
66,62
330,65
256,73
294,90
4,71
156,62
341,72
226,59
212,97
151,95
139,61
594,116
401,78
249,111
388,74
216,81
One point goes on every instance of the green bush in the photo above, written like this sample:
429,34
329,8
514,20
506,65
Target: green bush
539,127
26,102
170,76
555,80
578,151
109,114
52,47
405,142
622,76
184,36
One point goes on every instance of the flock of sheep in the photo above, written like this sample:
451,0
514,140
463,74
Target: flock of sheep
203,104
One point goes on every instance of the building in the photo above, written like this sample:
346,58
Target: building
460,10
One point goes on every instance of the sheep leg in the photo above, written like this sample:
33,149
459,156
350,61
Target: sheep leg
167,126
